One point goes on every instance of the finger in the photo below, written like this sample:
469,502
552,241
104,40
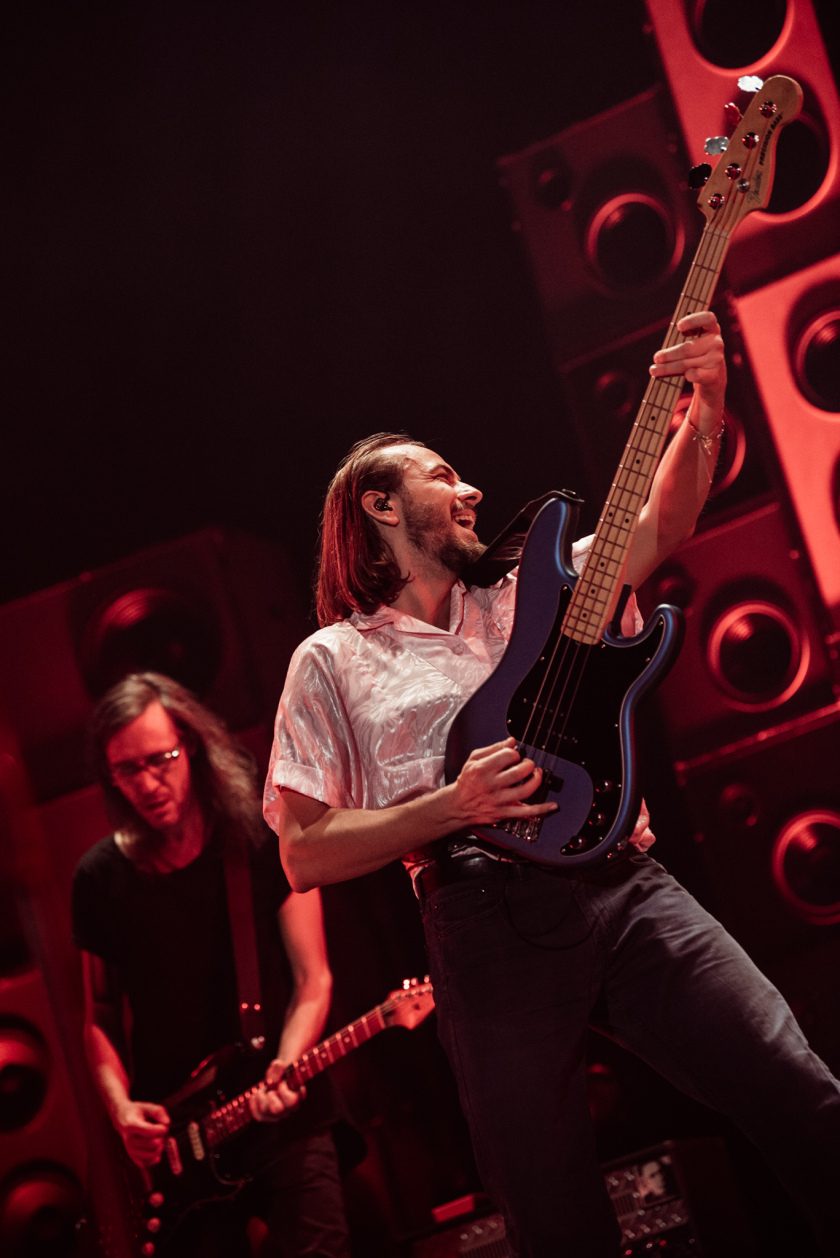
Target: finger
520,811
289,1097
155,1114
480,753
699,319
518,773
264,1106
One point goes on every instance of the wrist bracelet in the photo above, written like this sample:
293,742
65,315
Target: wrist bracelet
706,439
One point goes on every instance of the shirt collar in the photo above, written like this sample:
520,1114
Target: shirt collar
410,624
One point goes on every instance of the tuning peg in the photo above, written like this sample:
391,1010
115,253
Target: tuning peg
750,83
698,175
716,144
732,114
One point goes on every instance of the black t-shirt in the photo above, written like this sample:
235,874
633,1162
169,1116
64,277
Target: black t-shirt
169,937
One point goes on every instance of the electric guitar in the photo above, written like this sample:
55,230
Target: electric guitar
191,1170
568,684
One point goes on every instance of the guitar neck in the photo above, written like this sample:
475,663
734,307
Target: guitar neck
235,1115
595,593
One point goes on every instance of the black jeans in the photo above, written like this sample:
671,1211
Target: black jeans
519,958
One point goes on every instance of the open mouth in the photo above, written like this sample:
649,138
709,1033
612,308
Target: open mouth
465,519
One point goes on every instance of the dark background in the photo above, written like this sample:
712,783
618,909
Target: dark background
240,237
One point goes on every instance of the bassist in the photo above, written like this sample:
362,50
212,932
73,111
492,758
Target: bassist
523,956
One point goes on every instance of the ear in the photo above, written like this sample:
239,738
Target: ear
385,513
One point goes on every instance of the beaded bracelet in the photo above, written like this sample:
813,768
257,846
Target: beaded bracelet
706,438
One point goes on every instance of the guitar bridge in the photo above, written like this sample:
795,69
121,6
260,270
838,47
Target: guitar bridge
528,828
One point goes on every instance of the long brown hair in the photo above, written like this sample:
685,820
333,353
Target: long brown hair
223,775
356,570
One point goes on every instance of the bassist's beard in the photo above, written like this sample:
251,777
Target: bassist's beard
437,538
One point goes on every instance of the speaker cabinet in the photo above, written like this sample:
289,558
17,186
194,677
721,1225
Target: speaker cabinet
791,331
767,819
754,653
42,1147
705,47
217,610
606,223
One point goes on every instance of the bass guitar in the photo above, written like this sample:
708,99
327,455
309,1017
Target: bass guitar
203,1122
568,685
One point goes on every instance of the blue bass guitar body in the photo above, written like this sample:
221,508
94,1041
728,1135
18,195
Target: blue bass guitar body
569,706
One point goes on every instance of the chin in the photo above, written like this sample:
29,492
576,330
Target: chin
461,552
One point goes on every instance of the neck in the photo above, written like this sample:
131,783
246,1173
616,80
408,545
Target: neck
427,597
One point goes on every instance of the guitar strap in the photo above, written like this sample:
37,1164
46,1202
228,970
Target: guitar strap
243,934
502,555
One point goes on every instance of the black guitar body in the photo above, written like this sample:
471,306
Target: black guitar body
190,1172
570,707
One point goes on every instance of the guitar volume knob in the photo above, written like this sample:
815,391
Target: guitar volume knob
156,1200
153,1225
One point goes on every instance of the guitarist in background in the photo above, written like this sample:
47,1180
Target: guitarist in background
151,918
523,957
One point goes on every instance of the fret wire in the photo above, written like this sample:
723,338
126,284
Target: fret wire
647,436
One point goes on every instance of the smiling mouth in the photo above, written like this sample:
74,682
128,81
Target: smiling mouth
465,519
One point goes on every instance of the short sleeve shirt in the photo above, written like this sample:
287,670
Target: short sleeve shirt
368,702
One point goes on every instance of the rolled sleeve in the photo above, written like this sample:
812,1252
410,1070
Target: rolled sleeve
313,744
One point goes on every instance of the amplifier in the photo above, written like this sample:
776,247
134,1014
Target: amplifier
467,1226
678,1199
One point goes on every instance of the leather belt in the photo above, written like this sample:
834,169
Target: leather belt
455,869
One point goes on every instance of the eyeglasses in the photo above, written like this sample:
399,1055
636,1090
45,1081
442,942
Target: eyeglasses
159,763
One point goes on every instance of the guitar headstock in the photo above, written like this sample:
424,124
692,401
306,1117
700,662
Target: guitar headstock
743,177
410,1005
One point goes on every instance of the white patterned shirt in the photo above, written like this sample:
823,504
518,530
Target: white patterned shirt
368,702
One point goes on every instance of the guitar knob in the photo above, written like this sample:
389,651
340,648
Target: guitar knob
156,1200
153,1225
148,1249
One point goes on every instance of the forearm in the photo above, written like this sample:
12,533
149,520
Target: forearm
305,1019
107,1069
684,476
346,843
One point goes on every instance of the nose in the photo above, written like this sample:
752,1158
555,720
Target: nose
469,493
147,780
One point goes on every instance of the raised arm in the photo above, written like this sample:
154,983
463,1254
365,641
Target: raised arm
301,924
684,476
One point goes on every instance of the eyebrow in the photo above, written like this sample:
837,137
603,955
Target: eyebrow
443,467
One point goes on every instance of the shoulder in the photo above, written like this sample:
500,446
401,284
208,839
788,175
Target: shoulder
101,859
325,645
